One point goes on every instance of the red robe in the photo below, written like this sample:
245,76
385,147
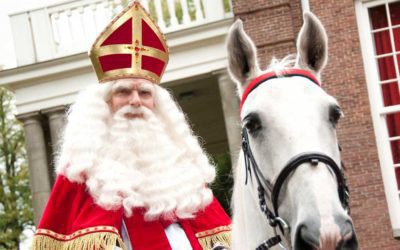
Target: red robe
71,220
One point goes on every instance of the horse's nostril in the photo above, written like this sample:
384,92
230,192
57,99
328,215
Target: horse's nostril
346,229
305,239
349,244
349,241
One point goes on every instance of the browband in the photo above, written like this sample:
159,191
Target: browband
272,75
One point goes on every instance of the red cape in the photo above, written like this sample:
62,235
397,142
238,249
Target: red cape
71,220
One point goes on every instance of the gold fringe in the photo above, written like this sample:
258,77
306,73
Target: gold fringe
97,240
223,238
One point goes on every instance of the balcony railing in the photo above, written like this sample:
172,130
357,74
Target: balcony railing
69,27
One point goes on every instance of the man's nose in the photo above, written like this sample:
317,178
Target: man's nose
134,99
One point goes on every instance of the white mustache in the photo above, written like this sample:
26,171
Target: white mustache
133,110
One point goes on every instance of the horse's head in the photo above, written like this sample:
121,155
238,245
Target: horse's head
287,116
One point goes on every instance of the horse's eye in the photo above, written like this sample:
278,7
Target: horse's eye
334,114
252,123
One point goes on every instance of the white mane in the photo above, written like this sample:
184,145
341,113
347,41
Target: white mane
281,65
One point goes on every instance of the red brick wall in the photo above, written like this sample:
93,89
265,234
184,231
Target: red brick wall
271,26
274,25
368,201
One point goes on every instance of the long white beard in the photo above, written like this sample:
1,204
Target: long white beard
141,166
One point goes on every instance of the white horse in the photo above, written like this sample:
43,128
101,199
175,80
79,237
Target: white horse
285,115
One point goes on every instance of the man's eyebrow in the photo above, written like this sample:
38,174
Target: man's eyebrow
119,88
146,87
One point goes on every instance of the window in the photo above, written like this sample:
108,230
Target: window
385,23
379,29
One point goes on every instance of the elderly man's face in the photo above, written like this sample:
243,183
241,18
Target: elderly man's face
135,92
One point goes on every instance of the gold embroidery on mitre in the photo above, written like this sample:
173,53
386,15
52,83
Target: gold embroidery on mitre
136,49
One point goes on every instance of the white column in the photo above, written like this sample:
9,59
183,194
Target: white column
199,13
185,12
230,108
160,17
23,38
38,164
42,34
213,9
172,12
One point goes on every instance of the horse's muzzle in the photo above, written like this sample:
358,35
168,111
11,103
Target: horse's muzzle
309,235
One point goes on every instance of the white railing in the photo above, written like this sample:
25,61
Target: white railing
69,27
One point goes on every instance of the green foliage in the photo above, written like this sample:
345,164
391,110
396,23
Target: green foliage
15,198
227,6
222,186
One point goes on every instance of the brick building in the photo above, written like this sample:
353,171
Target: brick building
359,76
362,73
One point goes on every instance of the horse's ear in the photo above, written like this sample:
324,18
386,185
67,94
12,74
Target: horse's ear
242,56
312,45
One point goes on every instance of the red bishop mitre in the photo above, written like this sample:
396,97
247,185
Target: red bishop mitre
132,45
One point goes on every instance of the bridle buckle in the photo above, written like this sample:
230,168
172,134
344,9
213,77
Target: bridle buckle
314,162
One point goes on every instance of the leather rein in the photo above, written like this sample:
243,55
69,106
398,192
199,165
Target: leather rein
306,157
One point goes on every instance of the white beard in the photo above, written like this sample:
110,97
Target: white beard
139,165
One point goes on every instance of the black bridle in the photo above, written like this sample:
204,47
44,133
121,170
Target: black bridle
307,157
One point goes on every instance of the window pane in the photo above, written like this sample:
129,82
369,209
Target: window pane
396,35
386,68
390,94
382,42
398,62
394,9
395,145
378,17
393,125
397,171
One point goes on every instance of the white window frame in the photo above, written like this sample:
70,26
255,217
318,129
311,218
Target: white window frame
378,110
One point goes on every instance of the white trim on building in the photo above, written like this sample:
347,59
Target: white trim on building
378,110
194,52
